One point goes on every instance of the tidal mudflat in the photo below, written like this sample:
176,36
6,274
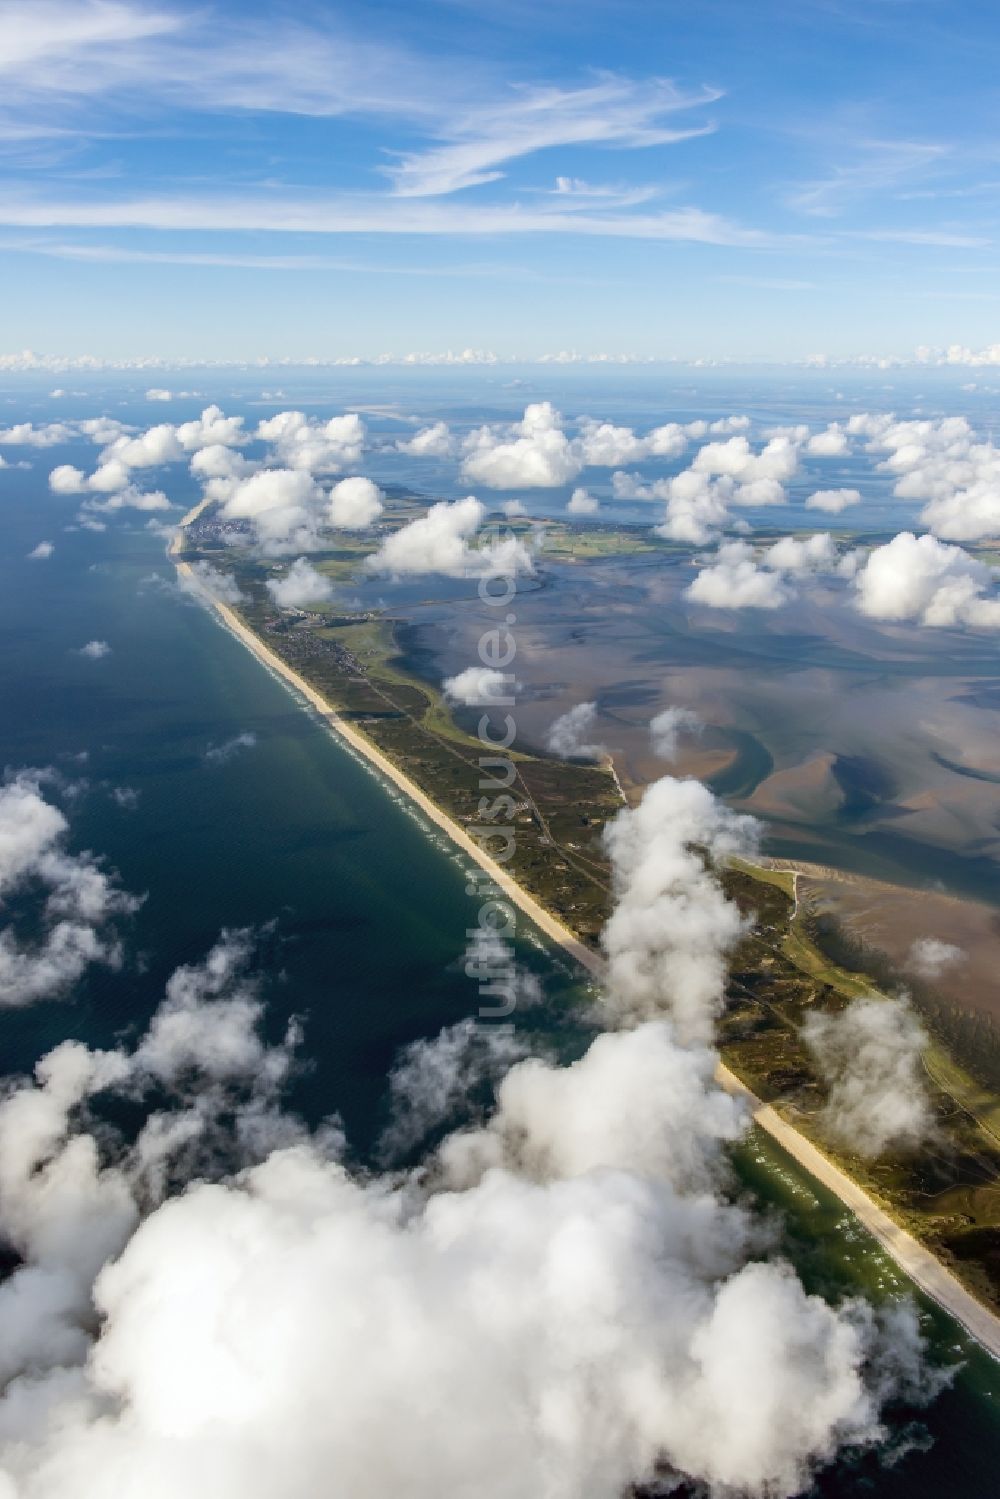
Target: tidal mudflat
867,747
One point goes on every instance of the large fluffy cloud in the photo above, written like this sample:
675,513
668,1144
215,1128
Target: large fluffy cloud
110,480
562,1300
280,497
209,1025
537,454
741,576
941,462
697,507
290,510
777,460
66,1209
672,925
222,464
157,445
284,507
122,452
439,542
564,1326
722,474
923,579
212,429
556,1122
316,447
734,580
605,445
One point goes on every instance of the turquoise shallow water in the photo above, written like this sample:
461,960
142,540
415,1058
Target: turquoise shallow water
369,909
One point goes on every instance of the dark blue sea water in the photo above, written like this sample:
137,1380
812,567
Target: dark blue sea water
362,909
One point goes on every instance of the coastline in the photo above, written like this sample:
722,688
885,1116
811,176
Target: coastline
917,1262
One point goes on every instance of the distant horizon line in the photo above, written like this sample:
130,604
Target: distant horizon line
954,356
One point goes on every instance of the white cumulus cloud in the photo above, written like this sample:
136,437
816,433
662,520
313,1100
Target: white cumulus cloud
581,502
736,581
439,542
940,461
744,577
355,504
831,443
672,925
27,435
478,686
870,1057
284,507
564,1298
568,734
833,501
316,447
536,454
923,579
299,586
434,441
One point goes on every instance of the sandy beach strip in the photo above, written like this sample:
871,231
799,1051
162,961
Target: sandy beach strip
917,1262
364,746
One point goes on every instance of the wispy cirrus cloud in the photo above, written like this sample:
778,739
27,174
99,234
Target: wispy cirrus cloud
877,166
56,54
58,51
110,254
49,35
214,133
613,111
373,215
946,239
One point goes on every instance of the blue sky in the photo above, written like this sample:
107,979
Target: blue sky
708,180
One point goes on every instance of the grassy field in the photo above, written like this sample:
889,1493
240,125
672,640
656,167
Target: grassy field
565,543
782,879
979,1102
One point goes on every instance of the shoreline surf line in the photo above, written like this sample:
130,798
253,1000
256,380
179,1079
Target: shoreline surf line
917,1262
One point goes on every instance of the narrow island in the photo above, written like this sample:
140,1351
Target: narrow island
937,1214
